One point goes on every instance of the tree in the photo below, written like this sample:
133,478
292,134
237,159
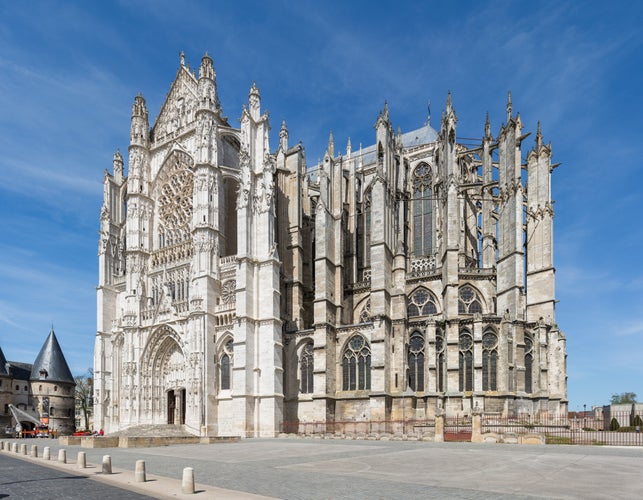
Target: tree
623,398
84,394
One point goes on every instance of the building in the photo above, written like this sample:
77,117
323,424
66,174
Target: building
44,390
241,289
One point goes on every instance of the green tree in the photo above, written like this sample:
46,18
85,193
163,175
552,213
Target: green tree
623,398
84,394
614,425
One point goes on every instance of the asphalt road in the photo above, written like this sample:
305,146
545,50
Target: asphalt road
22,479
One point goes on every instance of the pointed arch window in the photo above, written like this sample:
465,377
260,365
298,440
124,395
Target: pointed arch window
489,361
469,301
363,240
466,361
421,303
416,362
422,211
306,365
365,315
440,361
225,365
529,365
356,365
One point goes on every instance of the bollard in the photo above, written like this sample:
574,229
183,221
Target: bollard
62,456
23,449
107,464
34,451
14,447
81,462
187,485
1,445
139,474
46,453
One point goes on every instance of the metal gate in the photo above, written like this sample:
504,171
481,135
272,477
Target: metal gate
457,429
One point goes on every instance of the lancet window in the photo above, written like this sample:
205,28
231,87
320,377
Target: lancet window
489,361
225,366
440,361
416,362
421,303
468,301
422,211
306,366
364,233
529,364
466,361
356,365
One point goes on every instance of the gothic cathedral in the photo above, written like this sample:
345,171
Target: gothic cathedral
242,291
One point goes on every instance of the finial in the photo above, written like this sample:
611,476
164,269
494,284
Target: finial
428,107
386,109
182,58
487,126
349,148
509,106
331,144
539,137
449,103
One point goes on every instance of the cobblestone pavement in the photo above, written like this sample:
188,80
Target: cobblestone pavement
299,468
21,479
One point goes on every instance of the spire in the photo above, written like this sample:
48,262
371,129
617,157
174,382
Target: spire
539,138
449,103
254,101
386,110
428,118
331,145
509,106
117,165
182,56
283,136
487,127
3,364
349,148
50,363
206,70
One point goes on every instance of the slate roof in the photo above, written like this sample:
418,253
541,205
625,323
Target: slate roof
18,370
52,361
3,363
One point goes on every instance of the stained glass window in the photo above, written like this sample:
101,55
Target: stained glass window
421,303
422,211
416,362
469,302
356,365
306,369
466,361
489,361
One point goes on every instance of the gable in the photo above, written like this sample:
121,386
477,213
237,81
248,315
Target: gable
179,109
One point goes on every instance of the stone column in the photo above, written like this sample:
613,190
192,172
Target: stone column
476,425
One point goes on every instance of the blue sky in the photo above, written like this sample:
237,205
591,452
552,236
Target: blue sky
69,72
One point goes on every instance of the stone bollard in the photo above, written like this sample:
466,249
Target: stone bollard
81,462
476,425
14,447
46,453
34,451
139,473
23,449
107,464
1,445
62,456
187,484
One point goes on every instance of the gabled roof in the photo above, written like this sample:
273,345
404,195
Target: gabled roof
3,363
51,362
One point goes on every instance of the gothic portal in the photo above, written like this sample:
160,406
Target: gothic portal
241,289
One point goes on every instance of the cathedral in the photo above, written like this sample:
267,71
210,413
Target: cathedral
243,291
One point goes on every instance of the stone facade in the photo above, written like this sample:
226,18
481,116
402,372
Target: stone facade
241,289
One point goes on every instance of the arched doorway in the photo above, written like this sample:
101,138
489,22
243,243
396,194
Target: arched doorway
166,375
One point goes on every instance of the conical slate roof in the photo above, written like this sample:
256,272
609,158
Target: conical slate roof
3,363
51,362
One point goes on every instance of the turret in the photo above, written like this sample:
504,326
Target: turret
208,97
139,130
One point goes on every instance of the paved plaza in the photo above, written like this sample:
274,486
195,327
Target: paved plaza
301,468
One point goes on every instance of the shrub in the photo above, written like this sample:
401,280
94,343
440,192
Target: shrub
637,421
614,425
